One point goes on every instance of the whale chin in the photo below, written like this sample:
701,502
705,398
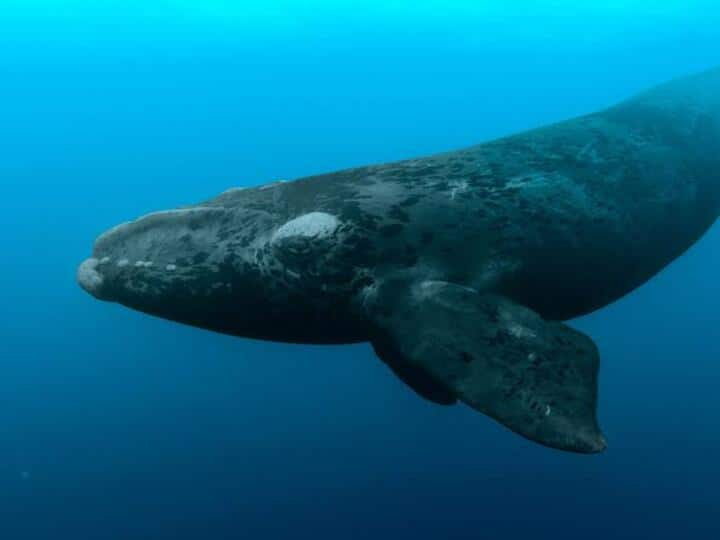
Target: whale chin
91,280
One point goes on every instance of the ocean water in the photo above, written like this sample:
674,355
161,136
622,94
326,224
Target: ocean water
117,426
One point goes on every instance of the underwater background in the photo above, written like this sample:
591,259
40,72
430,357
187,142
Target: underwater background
114,425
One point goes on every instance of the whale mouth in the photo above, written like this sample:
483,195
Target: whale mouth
90,279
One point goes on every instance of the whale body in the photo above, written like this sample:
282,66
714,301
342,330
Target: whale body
458,268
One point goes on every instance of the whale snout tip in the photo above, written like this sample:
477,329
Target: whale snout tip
591,444
599,445
90,279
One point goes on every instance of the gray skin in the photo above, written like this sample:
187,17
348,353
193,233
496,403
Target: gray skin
456,267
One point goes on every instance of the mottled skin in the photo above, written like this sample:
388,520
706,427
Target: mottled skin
559,221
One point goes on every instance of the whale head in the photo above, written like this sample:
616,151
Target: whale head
132,257
179,265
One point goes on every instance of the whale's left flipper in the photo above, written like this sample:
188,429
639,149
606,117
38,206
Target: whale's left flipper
538,378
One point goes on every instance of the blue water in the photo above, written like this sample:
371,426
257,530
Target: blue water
117,426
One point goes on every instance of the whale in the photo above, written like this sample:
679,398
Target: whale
461,269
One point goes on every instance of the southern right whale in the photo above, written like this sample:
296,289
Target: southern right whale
459,267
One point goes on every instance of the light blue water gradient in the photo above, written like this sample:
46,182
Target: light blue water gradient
118,426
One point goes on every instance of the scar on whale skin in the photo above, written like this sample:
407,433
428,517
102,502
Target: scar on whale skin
314,224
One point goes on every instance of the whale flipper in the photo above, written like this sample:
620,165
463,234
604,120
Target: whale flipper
417,378
538,378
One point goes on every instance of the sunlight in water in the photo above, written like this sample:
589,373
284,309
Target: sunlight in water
295,11
463,23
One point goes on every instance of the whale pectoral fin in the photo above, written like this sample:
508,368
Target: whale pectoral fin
417,378
538,378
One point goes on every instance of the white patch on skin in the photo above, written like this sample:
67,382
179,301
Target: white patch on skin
233,190
176,211
120,229
527,181
548,410
494,270
458,187
123,262
272,185
589,152
312,225
143,264
112,232
521,332
171,268
430,290
386,191
88,277
516,329
104,260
